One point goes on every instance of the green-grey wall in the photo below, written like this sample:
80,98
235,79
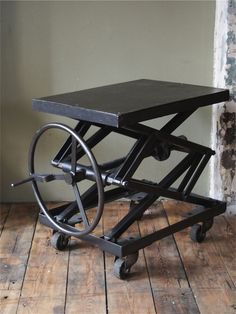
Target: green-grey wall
55,47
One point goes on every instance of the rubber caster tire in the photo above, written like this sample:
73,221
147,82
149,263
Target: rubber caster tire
122,266
197,234
59,241
120,269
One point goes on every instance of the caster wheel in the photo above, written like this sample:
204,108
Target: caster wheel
122,266
59,241
208,224
197,234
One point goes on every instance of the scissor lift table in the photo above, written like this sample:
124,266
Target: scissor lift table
120,108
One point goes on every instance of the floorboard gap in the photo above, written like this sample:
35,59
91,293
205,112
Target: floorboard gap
67,276
105,282
5,219
145,260
27,261
182,263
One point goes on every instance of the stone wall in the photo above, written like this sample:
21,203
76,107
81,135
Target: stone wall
223,176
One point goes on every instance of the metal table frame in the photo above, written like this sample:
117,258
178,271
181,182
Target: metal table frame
119,174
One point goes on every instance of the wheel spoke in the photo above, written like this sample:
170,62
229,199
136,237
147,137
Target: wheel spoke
60,208
90,195
65,212
73,155
80,205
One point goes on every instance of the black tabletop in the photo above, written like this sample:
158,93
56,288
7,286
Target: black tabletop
130,102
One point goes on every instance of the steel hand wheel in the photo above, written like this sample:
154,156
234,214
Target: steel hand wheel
71,177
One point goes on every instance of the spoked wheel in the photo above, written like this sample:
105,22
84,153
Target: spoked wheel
70,175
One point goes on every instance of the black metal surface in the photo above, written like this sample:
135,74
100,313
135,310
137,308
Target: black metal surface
130,102
138,152
190,172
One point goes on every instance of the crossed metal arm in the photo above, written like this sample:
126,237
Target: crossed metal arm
119,174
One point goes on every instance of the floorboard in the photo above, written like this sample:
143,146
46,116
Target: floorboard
5,208
171,276
169,283
44,286
86,278
208,276
224,238
133,295
15,245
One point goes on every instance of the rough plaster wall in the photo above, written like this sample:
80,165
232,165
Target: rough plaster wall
0,101
55,47
223,178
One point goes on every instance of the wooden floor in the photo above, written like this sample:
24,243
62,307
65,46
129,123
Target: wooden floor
173,275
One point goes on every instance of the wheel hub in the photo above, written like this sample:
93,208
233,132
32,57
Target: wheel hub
72,178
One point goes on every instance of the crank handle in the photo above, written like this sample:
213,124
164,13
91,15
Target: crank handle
29,179
40,178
